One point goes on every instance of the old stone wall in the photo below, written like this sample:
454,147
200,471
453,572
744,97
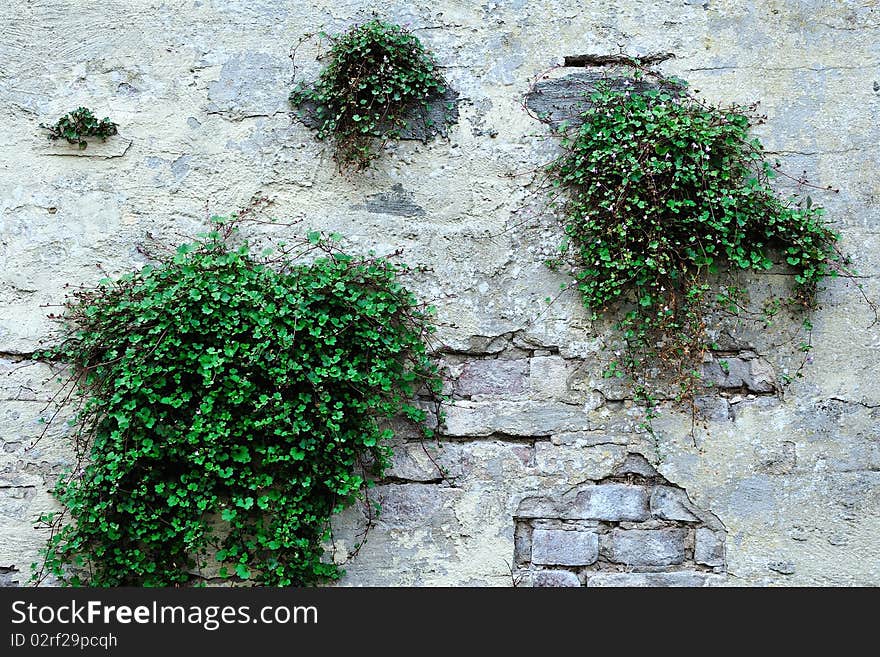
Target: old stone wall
542,475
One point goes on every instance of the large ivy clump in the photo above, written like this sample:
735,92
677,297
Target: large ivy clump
233,404
660,192
377,78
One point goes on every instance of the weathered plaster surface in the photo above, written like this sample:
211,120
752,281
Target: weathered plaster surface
199,89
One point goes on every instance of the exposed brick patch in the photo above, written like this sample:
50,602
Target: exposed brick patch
632,529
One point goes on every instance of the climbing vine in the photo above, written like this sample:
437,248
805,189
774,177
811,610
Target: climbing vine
658,194
75,126
378,79
233,401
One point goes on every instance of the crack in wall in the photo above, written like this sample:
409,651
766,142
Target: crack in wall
863,404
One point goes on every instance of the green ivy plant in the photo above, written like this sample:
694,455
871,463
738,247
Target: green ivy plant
78,124
658,192
233,402
377,78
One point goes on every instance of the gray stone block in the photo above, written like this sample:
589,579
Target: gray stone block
635,464
709,548
668,503
398,202
412,505
537,507
646,547
753,374
613,502
516,418
416,462
762,378
548,376
492,376
713,408
559,547
646,580
555,578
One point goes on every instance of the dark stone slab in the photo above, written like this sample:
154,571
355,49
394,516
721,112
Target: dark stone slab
397,201
421,123
555,100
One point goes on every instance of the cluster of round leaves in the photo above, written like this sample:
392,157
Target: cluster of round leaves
378,79
233,403
661,191
75,126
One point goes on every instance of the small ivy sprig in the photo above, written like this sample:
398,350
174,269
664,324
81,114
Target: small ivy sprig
78,124
378,74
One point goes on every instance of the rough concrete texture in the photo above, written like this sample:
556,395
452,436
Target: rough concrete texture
788,485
